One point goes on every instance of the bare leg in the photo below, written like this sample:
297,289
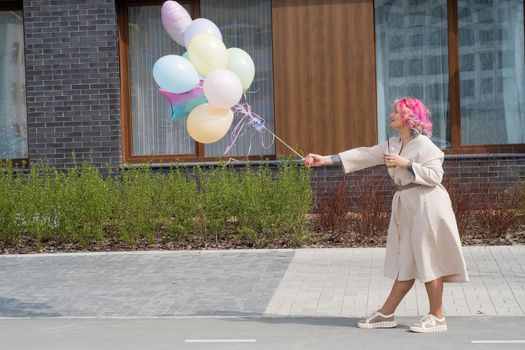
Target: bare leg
435,297
398,292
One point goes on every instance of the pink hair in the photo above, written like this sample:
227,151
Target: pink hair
415,114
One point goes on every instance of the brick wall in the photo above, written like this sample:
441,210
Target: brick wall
477,173
72,74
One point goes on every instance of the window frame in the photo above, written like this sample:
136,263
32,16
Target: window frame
125,93
16,5
454,94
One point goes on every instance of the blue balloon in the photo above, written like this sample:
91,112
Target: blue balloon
175,74
185,109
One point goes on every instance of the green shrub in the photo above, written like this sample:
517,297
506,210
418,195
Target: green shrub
85,203
256,207
292,201
80,206
9,188
179,204
36,205
136,214
219,196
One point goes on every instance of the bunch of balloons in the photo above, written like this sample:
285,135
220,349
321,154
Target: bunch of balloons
205,82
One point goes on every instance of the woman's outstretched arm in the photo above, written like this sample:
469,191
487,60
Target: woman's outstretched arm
353,159
318,160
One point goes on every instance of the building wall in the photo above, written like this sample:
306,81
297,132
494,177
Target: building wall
73,100
477,174
72,75
324,74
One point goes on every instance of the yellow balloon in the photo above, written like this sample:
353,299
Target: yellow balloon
207,53
207,123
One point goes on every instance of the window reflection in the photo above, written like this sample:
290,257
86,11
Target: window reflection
13,117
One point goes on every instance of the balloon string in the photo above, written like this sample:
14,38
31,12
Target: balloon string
251,119
284,143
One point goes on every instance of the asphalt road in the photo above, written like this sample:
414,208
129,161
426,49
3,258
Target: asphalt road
288,333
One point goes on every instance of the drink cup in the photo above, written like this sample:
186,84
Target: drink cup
390,150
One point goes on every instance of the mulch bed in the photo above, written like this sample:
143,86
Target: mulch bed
316,240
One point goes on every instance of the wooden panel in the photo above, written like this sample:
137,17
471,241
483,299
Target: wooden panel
324,74
453,68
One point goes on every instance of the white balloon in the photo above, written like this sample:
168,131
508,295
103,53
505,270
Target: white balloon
223,88
201,26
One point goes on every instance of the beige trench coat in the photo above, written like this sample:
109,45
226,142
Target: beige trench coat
423,240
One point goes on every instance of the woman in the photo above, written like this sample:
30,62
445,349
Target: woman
423,240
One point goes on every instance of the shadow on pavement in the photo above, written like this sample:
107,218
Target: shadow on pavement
11,307
305,320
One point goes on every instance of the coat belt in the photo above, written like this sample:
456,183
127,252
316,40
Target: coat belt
406,187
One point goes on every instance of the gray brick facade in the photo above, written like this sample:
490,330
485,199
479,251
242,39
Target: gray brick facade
72,73
475,173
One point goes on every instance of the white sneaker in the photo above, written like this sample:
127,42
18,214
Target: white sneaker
429,323
378,320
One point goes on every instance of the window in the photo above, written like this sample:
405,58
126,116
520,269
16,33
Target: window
149,134
153,131
492,91
412,60
13,117
247,25
468,68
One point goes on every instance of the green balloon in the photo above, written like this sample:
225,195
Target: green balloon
240,62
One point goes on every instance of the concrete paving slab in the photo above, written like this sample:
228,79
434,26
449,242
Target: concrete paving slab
496,286
140,284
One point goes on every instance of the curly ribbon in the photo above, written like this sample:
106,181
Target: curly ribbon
251,120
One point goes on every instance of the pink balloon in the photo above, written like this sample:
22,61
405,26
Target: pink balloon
183,104
175,20
223,88
177,99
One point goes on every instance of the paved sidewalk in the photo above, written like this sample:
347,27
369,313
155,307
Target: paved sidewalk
146,284
302,282
350,282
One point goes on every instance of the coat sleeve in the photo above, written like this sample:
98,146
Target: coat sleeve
429,173
362,157
428,170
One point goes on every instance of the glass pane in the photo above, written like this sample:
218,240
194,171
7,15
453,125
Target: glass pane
491,57
13,117
154,132
412,60
247,25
